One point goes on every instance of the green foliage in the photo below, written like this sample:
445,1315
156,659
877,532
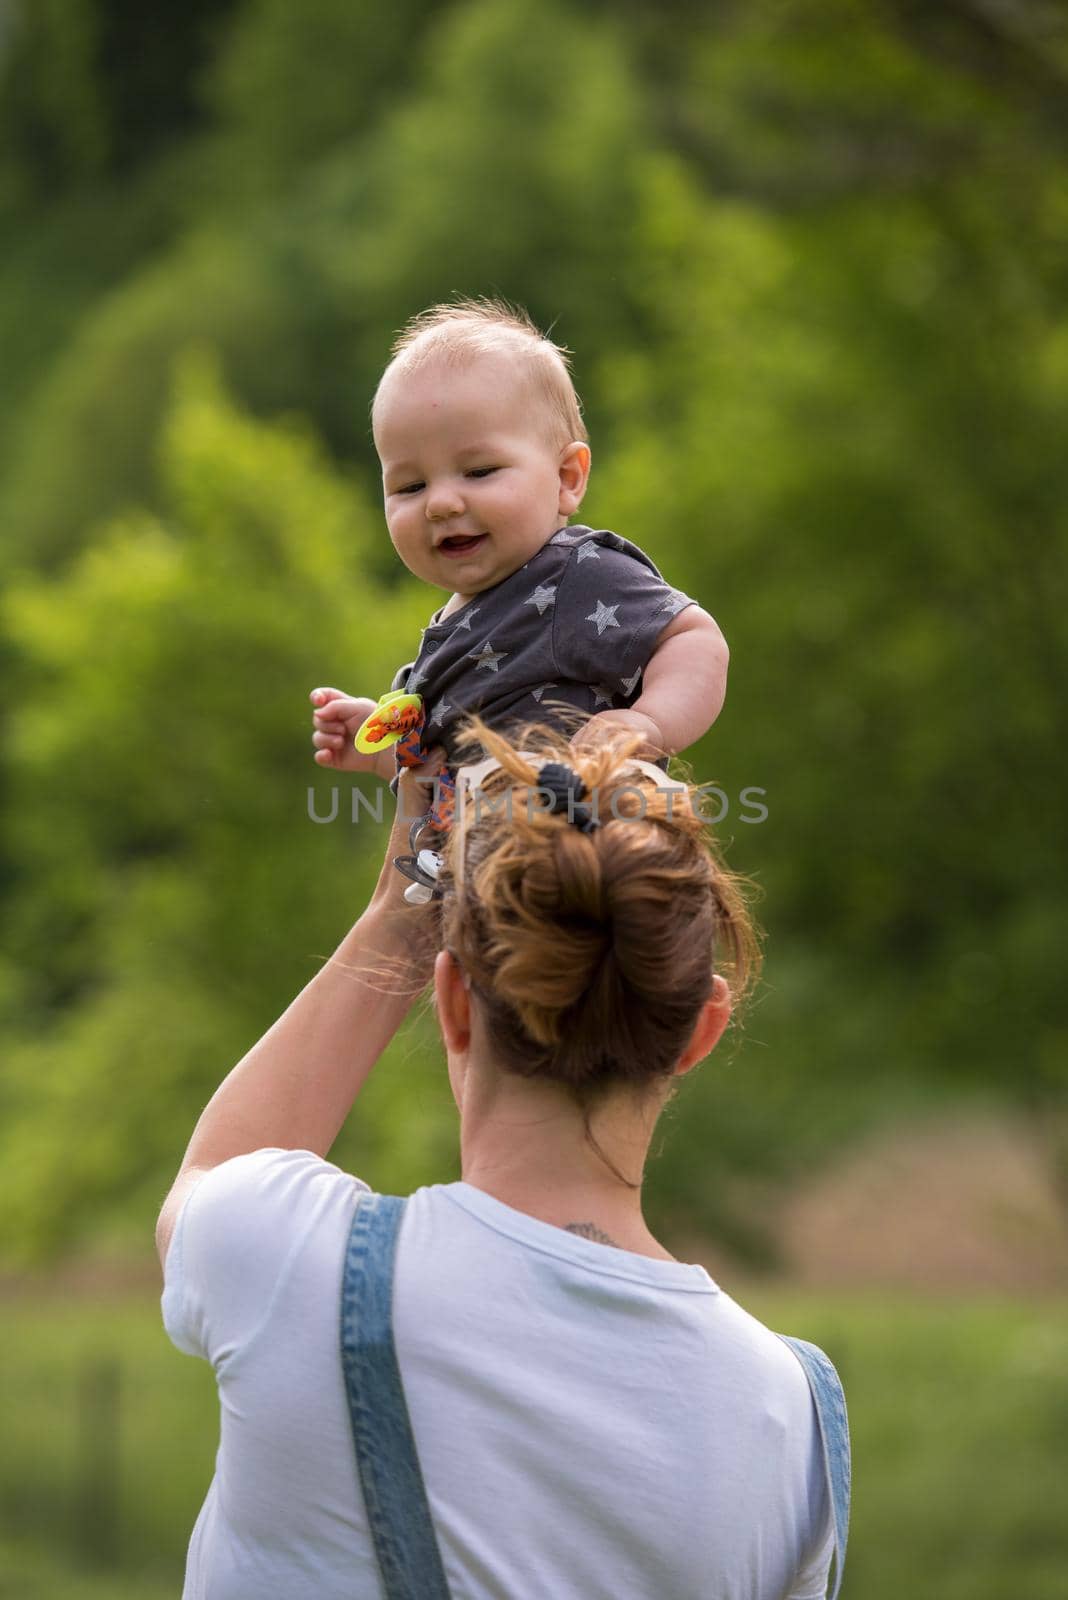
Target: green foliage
527,183
289,84
52,272
53,126
171,884
301,298
86,446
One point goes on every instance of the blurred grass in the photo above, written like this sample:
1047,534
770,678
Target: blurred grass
959,1424
167,1438
958,1410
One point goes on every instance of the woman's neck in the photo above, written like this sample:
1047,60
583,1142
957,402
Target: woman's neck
524,1144
621,1226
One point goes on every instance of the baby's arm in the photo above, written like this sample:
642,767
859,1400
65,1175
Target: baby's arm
337,717
683,688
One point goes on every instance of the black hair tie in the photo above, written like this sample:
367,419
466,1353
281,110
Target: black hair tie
568,792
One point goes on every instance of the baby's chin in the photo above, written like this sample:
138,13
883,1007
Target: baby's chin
474,583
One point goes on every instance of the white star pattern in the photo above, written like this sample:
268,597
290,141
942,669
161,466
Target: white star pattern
602,695
543,597
487,656
465,622
628,683
588,551
437,712
604,616
540,690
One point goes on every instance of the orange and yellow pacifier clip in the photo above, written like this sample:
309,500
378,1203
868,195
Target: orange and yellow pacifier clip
398,719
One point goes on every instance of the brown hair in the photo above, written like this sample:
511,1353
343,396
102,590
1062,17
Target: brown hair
591,954
459,330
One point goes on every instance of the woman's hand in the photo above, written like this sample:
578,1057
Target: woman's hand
415,795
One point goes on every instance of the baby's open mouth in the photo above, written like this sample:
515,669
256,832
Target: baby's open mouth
460,544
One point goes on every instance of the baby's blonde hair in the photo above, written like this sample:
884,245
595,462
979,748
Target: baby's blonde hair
458,331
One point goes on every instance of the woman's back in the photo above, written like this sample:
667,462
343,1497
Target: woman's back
590,1423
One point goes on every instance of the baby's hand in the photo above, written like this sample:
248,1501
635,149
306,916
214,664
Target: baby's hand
601,728
337,718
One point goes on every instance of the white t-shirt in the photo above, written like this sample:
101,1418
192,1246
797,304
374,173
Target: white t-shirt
591,1424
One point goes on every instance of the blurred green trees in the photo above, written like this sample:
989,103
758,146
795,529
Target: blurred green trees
811,258
168,883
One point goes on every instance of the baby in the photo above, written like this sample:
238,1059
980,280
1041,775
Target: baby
484,460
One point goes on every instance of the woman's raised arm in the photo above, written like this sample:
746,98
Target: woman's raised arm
296,1086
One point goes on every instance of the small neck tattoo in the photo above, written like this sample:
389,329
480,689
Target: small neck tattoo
590,1230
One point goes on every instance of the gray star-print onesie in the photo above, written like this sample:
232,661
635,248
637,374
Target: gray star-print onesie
574,628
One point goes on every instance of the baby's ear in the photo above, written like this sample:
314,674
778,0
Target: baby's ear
574,475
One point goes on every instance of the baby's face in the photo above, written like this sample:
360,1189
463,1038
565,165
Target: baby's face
473,486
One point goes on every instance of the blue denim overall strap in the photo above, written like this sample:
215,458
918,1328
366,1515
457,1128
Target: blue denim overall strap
393,1490
827,1392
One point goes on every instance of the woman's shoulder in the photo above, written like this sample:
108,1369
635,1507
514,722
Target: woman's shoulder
272,1178
237,1233
766,1354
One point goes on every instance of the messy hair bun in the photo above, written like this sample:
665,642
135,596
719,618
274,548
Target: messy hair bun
591,953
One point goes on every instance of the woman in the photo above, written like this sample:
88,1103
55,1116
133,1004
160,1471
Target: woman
590,1417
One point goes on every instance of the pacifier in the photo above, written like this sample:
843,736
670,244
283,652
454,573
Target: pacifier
396,715
398,720
424,871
